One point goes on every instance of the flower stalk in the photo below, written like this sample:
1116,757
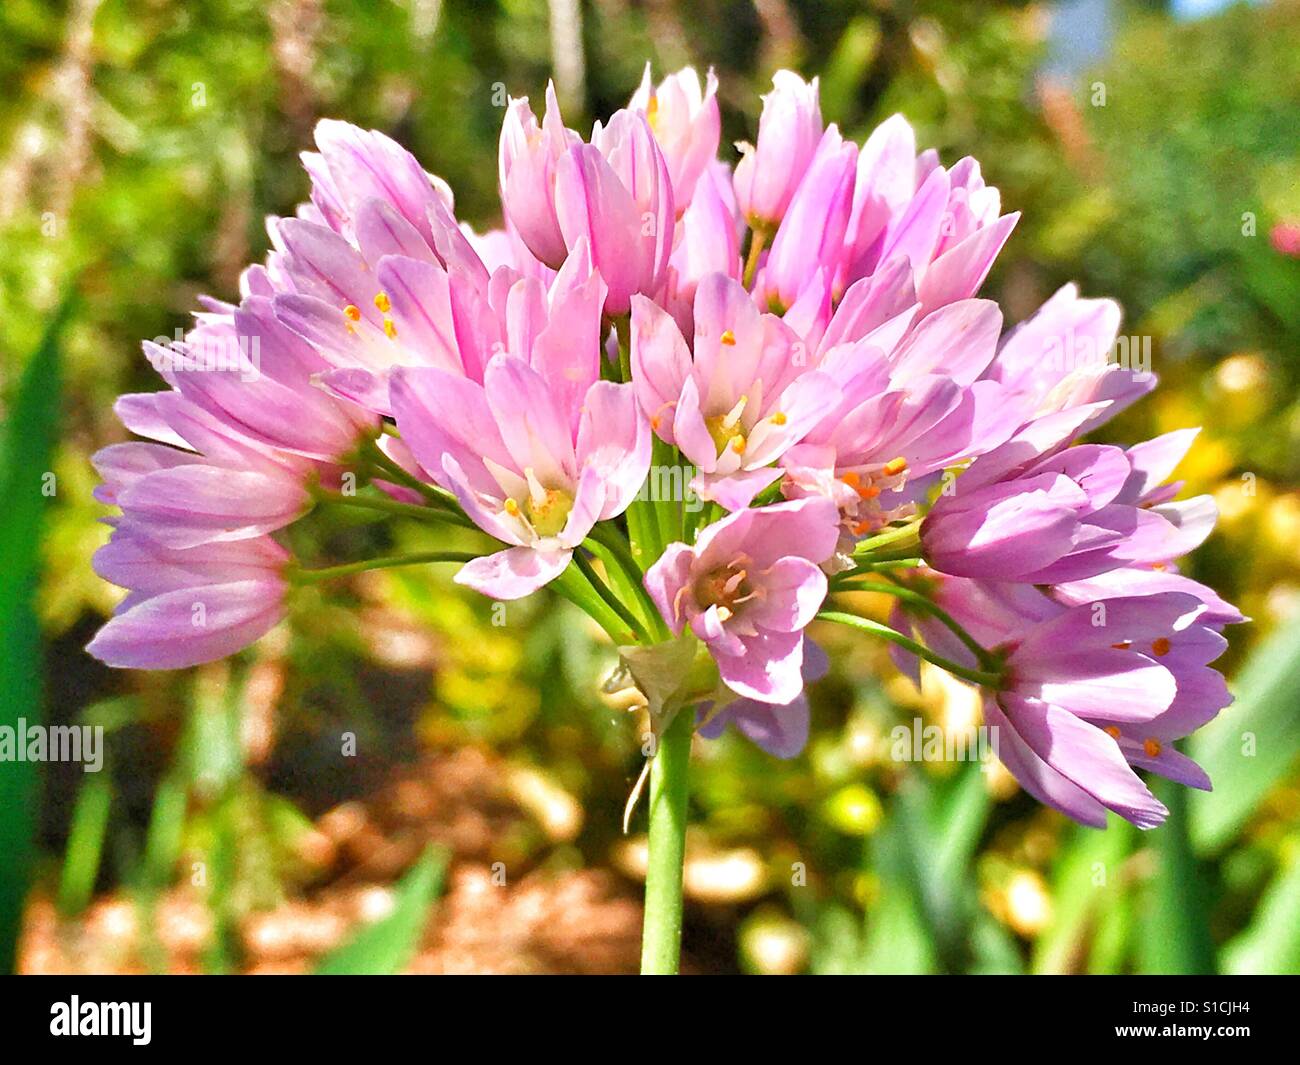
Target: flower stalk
661,938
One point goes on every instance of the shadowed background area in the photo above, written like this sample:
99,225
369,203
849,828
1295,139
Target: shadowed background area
400,777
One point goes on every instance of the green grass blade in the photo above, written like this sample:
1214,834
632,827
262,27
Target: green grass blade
1271,943
388,944
28,445
1174,936
1249,747
85,843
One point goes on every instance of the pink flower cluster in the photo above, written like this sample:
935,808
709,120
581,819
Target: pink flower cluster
800,333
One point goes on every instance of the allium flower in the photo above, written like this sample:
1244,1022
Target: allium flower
1059,360
748,587
1104,686
529,155
707,243
781,729
789,130
614,195
188,605
1075,514
685,121
805,328
809,244
542,449
739,401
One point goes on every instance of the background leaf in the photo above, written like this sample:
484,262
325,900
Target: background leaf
387,945
26,458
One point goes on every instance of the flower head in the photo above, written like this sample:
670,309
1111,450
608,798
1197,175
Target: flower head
748,587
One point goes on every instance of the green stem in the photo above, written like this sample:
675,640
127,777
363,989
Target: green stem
394,506
661,936
905,536
609,537
910,595
607,594
391,471
985,678
757,240
573,586
329,573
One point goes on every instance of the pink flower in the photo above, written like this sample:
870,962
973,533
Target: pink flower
1285,238
780,729
708,242
1090,689
809,243
528,158
789,130
686,124
1060,358
187,605
735,401
1101,687
542,449
747,588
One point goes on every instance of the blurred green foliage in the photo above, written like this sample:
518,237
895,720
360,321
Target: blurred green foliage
143,141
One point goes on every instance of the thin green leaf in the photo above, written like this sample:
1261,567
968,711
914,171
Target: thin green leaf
387,945
1249,747
27,447
1271,944
1175,936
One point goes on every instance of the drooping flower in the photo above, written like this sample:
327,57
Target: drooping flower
187,605
1073,514
1101,687
736,399
747,588
780,729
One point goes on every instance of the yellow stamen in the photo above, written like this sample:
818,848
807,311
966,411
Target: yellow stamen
512,508
728,338
1112,731
869,491
1160,647
353,311
1152,748
652,111
738,444
779,418
383,303
895,466
851,479
390,329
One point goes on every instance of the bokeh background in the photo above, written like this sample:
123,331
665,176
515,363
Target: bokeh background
1153,151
